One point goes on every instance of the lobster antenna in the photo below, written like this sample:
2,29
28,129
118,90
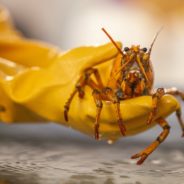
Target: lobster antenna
158,32
111,39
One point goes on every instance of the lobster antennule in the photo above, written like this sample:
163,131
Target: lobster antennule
111,39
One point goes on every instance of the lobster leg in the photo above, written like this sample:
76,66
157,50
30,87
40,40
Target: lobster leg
120,120
67,104
79,88
146,152
180,120
99,105
155,100
176,92
107,95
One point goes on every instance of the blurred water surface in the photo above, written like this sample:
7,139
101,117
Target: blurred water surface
69,159
23,163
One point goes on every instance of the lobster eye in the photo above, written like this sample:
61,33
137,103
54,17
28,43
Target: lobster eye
126,49
144,49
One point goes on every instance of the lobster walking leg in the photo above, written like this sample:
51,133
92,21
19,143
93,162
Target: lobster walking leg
155,100
176,92
109,95
99,105
67,104
106,94
180,120
79,88
120,120
146,152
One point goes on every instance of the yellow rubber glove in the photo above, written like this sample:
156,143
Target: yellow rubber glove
36,80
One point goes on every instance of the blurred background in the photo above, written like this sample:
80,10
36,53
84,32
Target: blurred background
70,24
52,153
